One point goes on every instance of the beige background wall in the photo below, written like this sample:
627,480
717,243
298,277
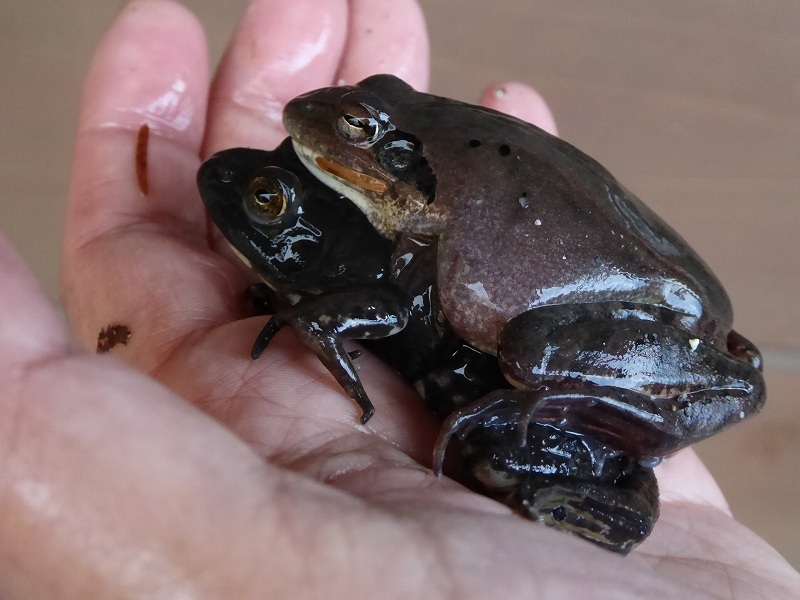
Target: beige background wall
693,104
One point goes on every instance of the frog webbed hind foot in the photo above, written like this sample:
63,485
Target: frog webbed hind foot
617,517
556,480
615,419
625,375
325,321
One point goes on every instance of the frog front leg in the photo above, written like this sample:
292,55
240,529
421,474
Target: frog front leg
323,322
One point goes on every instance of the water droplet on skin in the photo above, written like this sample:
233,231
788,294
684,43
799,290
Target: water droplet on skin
500,92
693,343
537,222
741,415
650,462
523,202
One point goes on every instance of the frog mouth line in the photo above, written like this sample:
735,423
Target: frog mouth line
348,174
362,196
357,178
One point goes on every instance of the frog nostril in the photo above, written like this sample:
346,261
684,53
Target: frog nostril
224,174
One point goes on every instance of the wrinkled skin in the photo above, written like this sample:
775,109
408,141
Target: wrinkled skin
118,470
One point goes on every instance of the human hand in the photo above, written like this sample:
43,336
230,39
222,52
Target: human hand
217,476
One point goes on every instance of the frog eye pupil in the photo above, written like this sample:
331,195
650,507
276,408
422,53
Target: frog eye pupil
359,130
356,122
266,199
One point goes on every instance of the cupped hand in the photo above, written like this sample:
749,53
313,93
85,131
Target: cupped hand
174,466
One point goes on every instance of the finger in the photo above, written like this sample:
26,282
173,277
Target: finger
29,328
684,478
279,50
521,101
386,36
151,67
130,257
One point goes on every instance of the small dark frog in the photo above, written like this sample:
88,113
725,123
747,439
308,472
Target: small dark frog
331,277
602,317
321,283
604,497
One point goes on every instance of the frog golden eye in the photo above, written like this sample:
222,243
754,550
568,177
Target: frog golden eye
359,131
361,125
269,195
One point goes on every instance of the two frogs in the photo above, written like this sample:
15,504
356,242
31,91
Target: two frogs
569,336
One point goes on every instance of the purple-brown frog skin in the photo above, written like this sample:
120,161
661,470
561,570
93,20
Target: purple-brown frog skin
608,325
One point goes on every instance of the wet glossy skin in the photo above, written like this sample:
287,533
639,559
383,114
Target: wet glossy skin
603,318
324,285
603,497
328,275
613,502
290,250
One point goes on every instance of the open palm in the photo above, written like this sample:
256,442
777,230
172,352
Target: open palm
200,473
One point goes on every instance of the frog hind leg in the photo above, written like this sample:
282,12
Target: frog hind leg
629,376
608,431
323,322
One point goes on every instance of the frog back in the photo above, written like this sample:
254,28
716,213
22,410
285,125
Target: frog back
533,221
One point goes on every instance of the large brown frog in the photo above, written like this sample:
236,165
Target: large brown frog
602,317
